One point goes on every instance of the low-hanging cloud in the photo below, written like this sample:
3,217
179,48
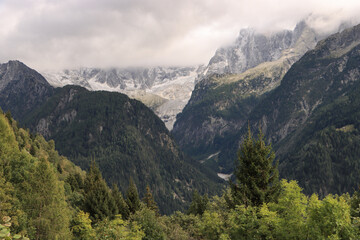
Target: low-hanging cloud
111,33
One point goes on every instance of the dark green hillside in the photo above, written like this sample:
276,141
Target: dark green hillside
324,157
126,139
215,109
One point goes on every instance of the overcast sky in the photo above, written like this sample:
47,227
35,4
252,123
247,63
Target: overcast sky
55,34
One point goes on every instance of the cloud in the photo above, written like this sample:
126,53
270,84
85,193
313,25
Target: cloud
72,33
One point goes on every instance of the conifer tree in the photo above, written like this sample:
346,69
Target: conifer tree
257,178
75,181
132,197
98,201
198,204
121,205
149,201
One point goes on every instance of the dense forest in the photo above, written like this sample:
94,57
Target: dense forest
45,196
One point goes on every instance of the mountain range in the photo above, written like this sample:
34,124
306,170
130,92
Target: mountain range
123,136
166,90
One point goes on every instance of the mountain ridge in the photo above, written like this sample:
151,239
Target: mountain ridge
166,90
124,137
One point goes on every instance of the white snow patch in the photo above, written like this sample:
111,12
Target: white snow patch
213,155
224,176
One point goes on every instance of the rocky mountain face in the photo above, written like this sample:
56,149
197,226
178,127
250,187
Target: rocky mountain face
318,78
252,48
235,80
122,135
21,89
312,118
166,90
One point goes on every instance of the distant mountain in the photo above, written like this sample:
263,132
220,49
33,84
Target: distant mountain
166,90
21,89
121,134
252,48
235,80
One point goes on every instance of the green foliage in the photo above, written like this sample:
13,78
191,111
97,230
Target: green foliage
132,197
9,204
5,233
98,201
127,140
211,225
118,229
173,230
330,218
243,223
199,204
355,205
75,181
81,227
44,200
289,212
257,178
33,194
150,224
188,222
355,210
149,201
31,191
121,205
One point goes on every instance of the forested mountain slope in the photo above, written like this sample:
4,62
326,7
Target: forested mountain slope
125,138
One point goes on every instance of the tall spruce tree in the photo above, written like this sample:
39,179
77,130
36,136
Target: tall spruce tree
257,178
149,201
123,208
132,197
98,201
198,204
